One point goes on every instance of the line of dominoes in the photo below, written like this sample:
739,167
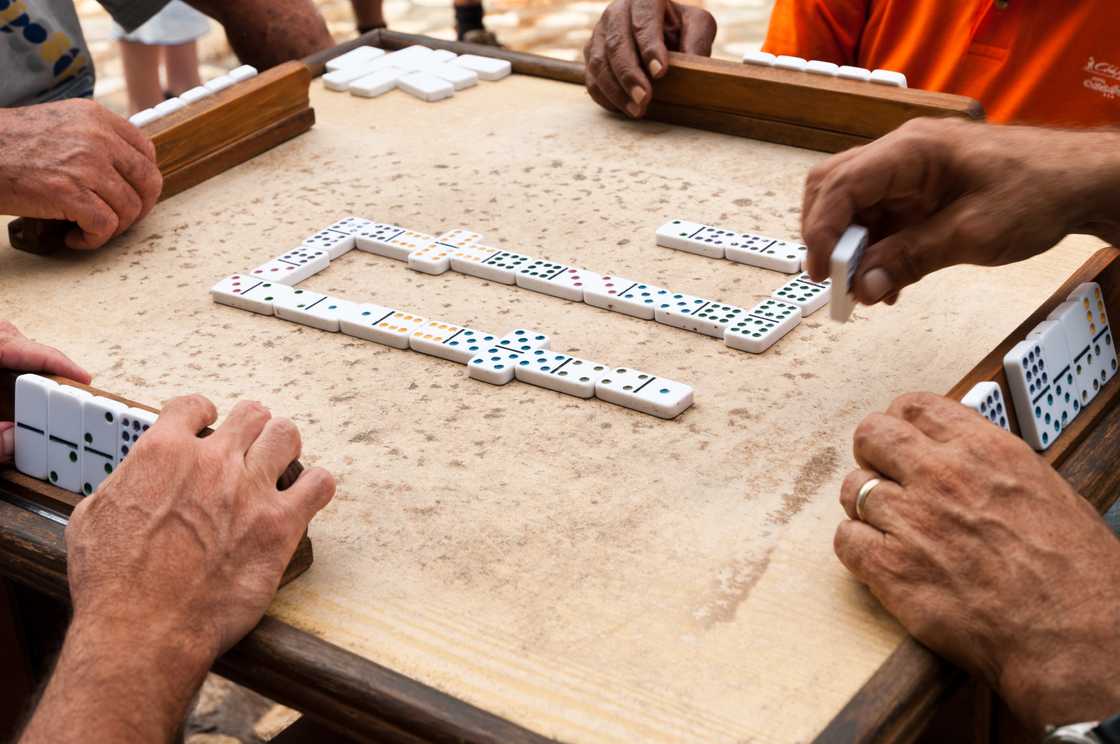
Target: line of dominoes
498,360
827,69
69,437
752,329
428,74
207,89
1055,371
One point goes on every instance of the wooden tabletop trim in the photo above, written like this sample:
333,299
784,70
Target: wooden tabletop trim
901,697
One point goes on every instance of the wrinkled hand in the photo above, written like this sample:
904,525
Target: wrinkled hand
630,47
986,555
939,192
190,536
76,161
21,354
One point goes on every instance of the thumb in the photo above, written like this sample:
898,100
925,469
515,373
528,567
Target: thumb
698,31
904,257
313,490
7,441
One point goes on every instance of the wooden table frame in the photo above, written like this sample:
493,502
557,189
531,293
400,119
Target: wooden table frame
358,698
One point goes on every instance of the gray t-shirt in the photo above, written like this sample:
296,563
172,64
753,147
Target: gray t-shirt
43,55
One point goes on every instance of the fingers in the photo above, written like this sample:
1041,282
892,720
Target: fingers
242,426
698,31
143,176
132,136
121,198
878,505
890,446
187,413
23,354
647,18
97,222
271,453
7,441
613,68
602,86
939,418
313,490
626,66
858,546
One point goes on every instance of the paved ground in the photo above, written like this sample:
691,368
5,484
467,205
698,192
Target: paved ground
224,712
556,28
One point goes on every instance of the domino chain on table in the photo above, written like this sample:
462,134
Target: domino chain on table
428,74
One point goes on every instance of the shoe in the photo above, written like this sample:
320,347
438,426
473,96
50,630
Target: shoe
481,36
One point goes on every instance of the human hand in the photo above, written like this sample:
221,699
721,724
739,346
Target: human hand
189,537
635,36
76,161
940,192
986,555
21,354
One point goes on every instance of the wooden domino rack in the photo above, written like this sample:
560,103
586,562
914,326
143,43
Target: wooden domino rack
207,138
552,619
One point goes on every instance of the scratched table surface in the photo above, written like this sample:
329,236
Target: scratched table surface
589,572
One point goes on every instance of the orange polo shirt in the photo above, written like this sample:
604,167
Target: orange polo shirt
1051,62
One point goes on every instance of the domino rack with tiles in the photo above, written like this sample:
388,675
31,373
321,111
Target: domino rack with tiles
428,74
207,89
69,437
1055,371
827,69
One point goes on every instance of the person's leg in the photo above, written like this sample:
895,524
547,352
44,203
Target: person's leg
181,62
367,15
468,23
141,74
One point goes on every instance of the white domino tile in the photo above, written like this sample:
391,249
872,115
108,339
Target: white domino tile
698,315
765,253
644,392
359,319
64,436
694,237
390,241
340,79
523,340
195,94
640,300
557,280
459,77
848,72
1036,406
134,422
294,266
808,295
1054,346
843,265
487,68
1104,363
311,309
820,67
888,77
219,83
170,106
762,59
442,55
447,341
602,291
375,83
560,372
359,56
334,243
494,365
244,72
248,292
789,62
762,327
394,329
425,86
101,426
986,398
1074,321
145,117
32,403
460,237
499,266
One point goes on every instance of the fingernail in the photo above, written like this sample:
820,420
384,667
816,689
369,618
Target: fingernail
633,109
7,441
876,284
655,68
637,95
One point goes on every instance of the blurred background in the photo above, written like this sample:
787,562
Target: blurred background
557,28
225,713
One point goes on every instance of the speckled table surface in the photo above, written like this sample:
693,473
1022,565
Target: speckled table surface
589,572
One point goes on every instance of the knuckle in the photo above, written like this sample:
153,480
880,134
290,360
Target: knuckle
287,431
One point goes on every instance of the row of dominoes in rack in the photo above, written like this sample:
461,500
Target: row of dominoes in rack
194,95
746,329
69,437
428,74
521,354
1055,371
826,69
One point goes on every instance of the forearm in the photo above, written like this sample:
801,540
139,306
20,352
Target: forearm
1101,156
265,33
118,684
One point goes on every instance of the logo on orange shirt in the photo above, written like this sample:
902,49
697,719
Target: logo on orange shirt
1100,71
